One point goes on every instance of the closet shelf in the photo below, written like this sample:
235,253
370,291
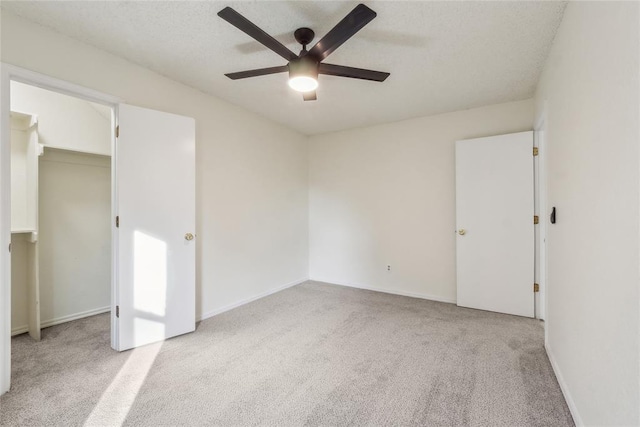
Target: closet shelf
74,150
31,236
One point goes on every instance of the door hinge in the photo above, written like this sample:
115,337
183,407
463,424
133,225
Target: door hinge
117,131
117,222
9,247
536,219
536,287
535,151
117,311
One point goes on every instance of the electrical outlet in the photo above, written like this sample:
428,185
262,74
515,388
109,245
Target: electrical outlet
388,268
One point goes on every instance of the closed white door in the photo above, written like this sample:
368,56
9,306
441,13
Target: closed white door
155,178
495,229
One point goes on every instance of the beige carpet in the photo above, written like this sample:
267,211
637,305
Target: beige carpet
314,354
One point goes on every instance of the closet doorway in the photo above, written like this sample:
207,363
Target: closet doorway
60,208
152,217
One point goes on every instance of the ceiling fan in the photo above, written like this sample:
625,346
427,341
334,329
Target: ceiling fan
304,68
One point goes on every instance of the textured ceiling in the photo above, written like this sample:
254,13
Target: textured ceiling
442,56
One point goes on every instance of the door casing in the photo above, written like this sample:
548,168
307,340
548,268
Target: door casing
542,210
10,73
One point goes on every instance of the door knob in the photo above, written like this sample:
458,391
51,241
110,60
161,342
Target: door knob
462,231
188,236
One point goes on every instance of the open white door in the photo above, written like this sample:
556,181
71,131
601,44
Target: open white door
155,178
495,229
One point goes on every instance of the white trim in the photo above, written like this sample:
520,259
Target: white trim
540,207
115,332
8,73
5,231
43,81
19,330
69,318
542,257
221,310
387,291
63,319
563,387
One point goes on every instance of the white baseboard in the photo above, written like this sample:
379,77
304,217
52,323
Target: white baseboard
58,320
220,310
76,316
20,330
387,291
563,387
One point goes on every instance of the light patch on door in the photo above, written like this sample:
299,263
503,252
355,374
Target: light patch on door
149,274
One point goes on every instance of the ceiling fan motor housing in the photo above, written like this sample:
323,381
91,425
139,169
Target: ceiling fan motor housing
305,66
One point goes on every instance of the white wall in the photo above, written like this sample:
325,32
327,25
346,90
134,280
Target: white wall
251,174
91,130
74,235
590,90
385,195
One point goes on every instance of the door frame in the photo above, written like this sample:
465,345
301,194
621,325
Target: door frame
541,192
10,73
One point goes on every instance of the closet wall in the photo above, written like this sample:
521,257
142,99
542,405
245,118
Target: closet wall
74,209
74,235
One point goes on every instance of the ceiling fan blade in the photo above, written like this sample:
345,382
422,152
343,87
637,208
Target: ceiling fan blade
354,73
243,24
351,24
309,96
258,72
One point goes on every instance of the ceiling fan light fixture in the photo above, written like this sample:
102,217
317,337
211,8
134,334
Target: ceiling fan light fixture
303,74
303,83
